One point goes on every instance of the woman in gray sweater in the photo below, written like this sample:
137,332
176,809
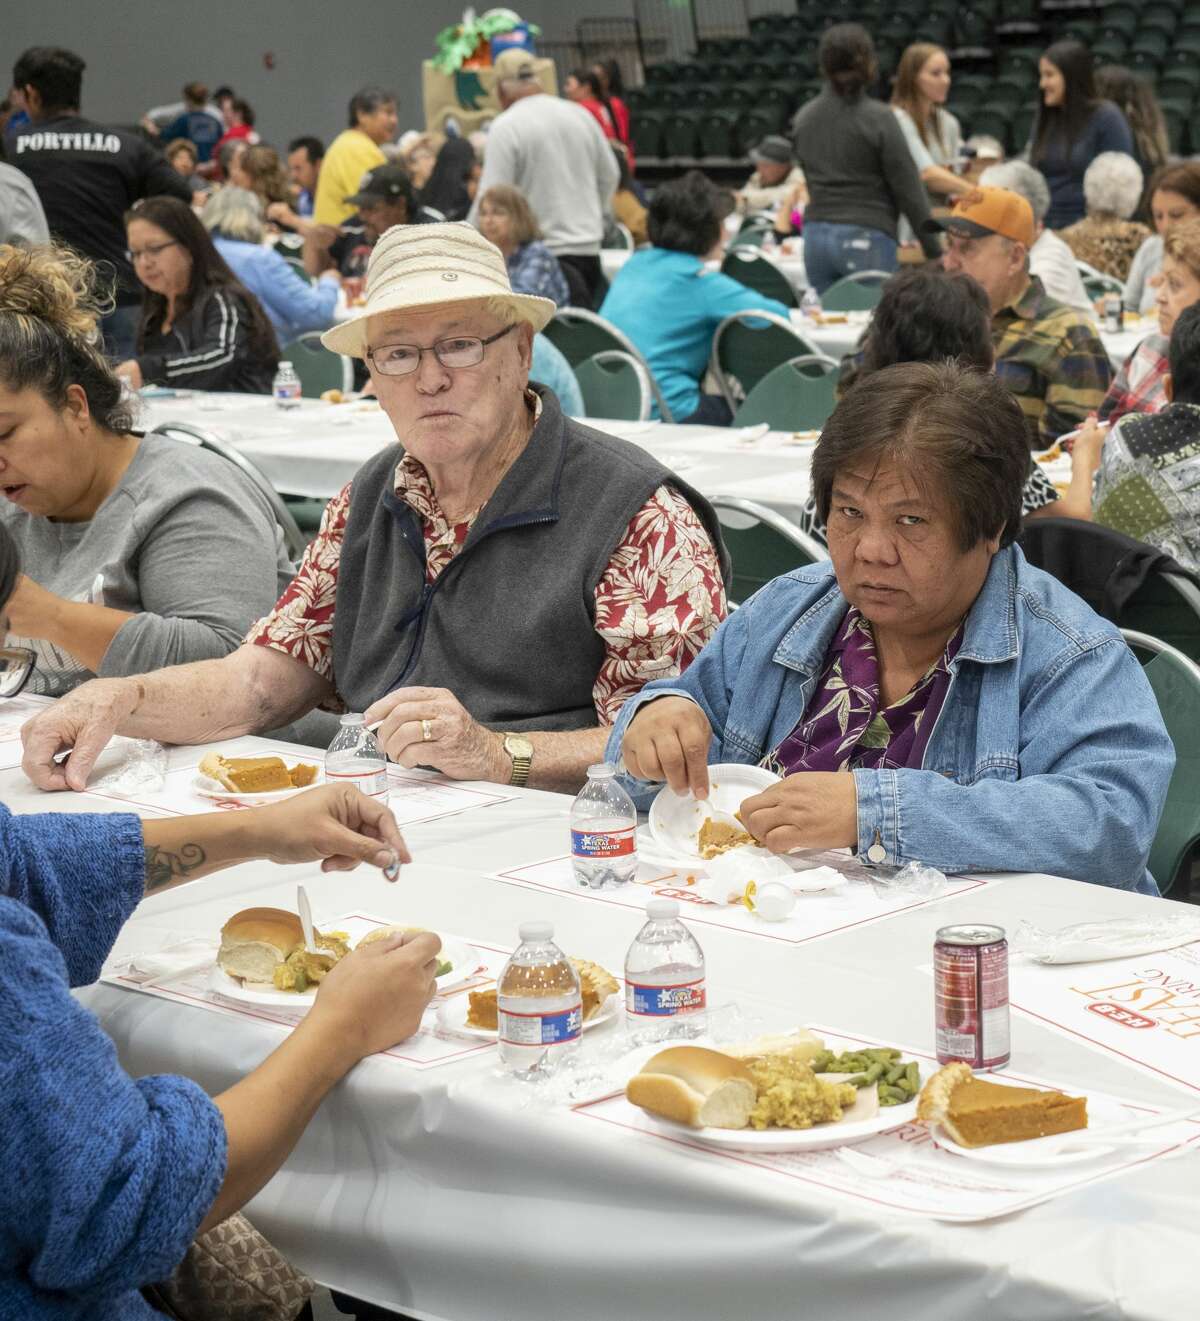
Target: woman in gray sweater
138,553
861,176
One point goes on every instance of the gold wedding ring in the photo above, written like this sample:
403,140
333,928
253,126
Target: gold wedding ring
426,731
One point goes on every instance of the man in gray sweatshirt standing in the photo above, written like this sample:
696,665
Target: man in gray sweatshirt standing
557,155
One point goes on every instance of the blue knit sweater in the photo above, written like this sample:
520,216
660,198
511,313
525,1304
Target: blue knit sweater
106,1180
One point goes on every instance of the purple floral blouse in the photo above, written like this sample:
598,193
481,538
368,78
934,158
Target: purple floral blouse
843,727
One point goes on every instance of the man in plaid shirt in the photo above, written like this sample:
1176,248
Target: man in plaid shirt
1049,355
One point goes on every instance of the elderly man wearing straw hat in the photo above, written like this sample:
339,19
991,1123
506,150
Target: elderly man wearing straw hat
491,588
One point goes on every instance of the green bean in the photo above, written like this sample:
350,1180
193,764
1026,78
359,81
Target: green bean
894,1074
914,1076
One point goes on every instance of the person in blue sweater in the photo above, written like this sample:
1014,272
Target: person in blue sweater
1073,126
233,216
670,306
108,1178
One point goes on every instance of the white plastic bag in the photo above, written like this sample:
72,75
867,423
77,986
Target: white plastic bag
142,768
1117,938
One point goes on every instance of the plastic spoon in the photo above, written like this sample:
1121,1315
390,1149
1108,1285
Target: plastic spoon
306,922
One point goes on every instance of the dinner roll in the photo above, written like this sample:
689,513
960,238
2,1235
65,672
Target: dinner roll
255,940
695,1086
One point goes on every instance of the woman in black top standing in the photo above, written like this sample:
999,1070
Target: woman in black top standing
1072,128
201,328
860,173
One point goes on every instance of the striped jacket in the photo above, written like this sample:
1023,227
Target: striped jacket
1051,357
208,348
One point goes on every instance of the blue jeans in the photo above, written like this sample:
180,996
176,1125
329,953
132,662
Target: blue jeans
831,251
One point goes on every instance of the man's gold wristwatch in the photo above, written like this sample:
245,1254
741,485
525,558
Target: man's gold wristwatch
520,749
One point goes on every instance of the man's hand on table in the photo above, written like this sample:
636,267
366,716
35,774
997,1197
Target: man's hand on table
81,723
810,810
431,727
668,740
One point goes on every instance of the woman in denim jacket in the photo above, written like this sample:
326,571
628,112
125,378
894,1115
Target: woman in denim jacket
988,718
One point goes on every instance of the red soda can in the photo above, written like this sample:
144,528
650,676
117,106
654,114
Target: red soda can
970,996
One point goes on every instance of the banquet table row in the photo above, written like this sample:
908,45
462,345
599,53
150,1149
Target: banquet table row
316,448
429,1183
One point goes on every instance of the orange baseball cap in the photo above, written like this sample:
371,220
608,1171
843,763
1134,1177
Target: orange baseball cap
985,211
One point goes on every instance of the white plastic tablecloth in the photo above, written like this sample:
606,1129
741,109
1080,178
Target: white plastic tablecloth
790,261
435,1193
315,449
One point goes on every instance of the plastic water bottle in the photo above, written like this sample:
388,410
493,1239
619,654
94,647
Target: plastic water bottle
355,757
603,831
286,386
539,1006
810,302
664,979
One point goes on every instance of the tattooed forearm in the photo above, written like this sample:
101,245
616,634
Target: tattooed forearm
164,866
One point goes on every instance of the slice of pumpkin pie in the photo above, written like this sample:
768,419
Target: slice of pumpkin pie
977,1113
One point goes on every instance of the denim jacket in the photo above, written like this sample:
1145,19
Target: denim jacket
1049,753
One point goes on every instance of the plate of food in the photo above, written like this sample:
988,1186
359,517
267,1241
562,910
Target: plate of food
998,1121
262,959
475,1015
775,1094
253,780
685,831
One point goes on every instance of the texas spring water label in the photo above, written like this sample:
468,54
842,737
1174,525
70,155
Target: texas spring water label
547,1029
664,1001
603,832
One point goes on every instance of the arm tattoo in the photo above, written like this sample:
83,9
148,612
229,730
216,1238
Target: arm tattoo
163,866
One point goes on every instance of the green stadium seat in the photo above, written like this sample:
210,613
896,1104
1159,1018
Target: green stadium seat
681,133
718,133
646,129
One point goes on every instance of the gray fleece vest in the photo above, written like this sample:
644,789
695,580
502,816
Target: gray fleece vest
509,625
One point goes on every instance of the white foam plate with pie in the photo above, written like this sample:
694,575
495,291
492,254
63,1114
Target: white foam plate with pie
1049,1152
210,788
821,1137
463,959
675,819
452,1016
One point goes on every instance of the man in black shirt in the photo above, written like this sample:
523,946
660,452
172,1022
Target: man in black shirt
87,176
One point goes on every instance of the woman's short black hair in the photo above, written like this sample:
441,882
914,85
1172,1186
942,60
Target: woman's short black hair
10,565
847,58
685,215
958,430
928,315
1184,356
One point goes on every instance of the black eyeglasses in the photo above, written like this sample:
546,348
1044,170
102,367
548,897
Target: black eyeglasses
134,255
459,351
16,665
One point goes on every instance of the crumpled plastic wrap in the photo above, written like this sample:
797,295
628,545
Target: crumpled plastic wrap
915,879
141,770
1117,938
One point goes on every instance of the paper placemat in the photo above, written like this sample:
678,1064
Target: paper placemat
856,903
1144,1009
902,1170
413,796
427,1048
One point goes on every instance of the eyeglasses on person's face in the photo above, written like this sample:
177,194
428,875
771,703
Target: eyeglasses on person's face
135,255
16,665
455,352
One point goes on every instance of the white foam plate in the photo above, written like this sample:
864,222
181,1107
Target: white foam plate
452,1015
462,956
1039,1153
822,1137
676,818
213,789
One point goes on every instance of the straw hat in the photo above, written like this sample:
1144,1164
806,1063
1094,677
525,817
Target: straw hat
417,266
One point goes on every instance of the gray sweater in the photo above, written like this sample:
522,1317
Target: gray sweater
557,155
185,542
858,167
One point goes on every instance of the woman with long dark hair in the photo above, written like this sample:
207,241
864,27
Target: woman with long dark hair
612,93
201,327
859,172
448,190
1135,99
1073,126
